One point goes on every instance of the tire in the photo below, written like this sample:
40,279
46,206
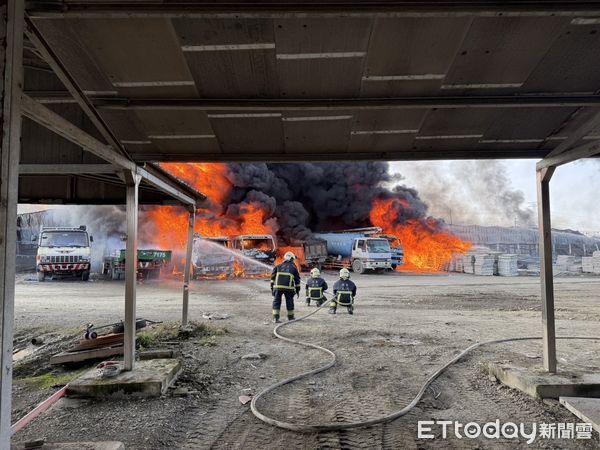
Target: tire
357,266
41,276
85,275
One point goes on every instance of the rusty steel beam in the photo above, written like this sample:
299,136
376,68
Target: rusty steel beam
298,9
567,100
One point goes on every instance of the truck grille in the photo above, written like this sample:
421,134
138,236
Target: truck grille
65,259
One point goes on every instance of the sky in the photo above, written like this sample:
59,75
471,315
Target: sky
457,189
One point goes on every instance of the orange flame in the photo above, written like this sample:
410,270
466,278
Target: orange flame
425,248
298,251
167,226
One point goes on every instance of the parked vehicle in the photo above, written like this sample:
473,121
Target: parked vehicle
312,253
261,248
150,263
211,257
397,249
357,249
63,251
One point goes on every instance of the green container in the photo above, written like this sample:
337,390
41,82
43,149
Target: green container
149,255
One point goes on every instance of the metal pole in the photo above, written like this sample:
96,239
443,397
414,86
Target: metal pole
188,266
11,65
547,280
133,182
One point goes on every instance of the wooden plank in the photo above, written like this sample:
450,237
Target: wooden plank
100,341
11,66
98,353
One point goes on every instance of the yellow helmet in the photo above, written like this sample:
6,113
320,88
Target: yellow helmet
289,256
315,273
344,274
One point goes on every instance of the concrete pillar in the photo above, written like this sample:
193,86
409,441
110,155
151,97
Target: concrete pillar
132,181
547,280
11,66
188,266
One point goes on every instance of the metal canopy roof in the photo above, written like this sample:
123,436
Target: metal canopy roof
304,81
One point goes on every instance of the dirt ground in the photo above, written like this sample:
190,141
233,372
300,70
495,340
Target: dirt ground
403,329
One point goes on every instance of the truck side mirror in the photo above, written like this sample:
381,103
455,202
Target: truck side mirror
91,238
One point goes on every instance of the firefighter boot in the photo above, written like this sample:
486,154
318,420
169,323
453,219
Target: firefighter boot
276,319
290,318
332,310
307,301
350,309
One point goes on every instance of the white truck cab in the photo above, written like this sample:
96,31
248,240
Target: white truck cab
371,254
63,251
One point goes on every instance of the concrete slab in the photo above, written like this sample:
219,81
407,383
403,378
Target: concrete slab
587,409
150,378
535,382
107,445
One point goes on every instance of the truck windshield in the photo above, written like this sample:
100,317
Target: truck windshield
378,246
64,239
258,244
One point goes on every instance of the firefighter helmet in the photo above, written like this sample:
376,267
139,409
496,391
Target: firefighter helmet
344,274
289,256
315,273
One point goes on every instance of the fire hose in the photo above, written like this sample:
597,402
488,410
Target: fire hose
312,428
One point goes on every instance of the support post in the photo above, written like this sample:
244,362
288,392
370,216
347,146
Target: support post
11,66
188,266
546,275
132,181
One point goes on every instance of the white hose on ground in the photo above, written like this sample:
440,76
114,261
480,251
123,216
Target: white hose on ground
312,428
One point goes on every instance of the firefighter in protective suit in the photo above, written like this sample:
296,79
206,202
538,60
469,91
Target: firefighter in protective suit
285,282
315,288
344,292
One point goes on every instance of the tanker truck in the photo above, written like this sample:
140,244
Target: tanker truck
357,249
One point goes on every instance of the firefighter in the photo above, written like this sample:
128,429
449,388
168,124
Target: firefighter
315,288
285,282
344,292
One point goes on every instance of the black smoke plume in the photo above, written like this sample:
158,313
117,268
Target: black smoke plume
306,197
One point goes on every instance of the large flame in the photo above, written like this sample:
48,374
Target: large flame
426,247
167,226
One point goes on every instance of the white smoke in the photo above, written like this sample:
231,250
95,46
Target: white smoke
106,224
469,192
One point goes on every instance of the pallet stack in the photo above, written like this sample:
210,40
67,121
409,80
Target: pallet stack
596,262
507,266
484,265
563,262
468,261
587,264
456,264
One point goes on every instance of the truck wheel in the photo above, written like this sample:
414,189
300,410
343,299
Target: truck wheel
85,275
357,266
41,276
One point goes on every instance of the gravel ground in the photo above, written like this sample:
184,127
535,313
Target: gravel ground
403,329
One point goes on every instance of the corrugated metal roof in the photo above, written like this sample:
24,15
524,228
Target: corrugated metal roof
316,53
